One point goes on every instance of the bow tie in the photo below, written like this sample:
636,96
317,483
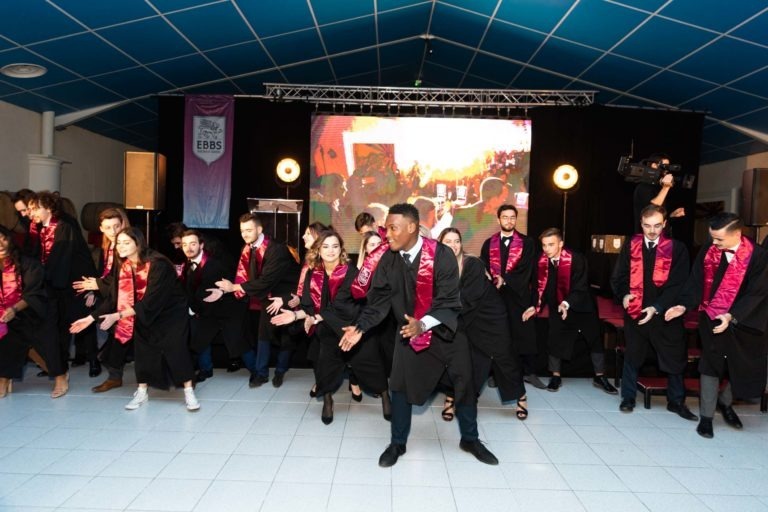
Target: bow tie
505,239
731,251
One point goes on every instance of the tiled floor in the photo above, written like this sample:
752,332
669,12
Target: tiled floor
266,450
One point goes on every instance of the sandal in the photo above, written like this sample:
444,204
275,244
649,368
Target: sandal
521,411
60,388
448,409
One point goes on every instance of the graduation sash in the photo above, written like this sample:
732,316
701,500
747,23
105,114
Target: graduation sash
108,260
244,266
46,239
302,277
513,257
425,278
563,276
11,292
661,268
196,275
362,282
723,298
33,234
131,287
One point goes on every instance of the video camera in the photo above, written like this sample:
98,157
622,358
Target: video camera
642,172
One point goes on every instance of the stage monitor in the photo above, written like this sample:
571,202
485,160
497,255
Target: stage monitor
456,171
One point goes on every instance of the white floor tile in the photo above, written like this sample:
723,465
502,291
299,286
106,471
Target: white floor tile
661,502
252,444
138,464
533,476
531,500
353,498
314,446
423,473
45,491
284,496
312,470
171,495
570,453
194,466
731,503
603,501
233,496
648,479
31,460
487,500
701,481
245,467
361,472
424,499
475,474
213,443
590,478
625,454
108,493
84,463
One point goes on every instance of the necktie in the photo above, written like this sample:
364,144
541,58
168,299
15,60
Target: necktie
191,267
555,262
651,246
407,258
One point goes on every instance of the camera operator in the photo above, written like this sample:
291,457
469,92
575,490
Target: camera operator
646,193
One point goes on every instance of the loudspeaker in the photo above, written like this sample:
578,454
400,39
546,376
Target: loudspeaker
754,197
144,183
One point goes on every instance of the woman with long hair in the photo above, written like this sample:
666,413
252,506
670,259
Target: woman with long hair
369,241
483,319
149,306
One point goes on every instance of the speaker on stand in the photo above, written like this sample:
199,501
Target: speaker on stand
144,183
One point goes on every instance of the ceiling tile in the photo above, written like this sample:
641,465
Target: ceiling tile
615,23
438,76
756,30
311,73
212,26
176,5
628,101
127,115
672,88
240,59
563,57
54,75
494,69
756,83
485,7
355,63
457,25
646,5
37,103
477,82
399,76
406,53
267,20
449,55
254,84
728,68
158,40
533,79
750,147
95,125
349,35
132,83
27,21
725,103
186,71
85,54
661,42
100,13
755,121
328,11
602,96
721,136
618,72
385,5
711,13
7,88
217,88
512,42
80,94
537,14
364,79
295,47
402,23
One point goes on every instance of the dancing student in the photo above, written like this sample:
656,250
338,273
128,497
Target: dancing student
24,322
113,354
148,304
326,307
483,319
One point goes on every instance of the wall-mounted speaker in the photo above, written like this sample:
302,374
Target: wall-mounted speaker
144,184
754,197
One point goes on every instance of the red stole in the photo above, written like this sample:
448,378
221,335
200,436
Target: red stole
382,233
425,278
362,282
513,257
198,276
131,287
563,276
34,233
11,292
46,239
726,292
244,266
302,278
661,268
108,260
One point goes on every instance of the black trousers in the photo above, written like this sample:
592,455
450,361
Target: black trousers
401,419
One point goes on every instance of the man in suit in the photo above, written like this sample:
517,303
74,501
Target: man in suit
648,278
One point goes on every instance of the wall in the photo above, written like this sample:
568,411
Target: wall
722,180
96,171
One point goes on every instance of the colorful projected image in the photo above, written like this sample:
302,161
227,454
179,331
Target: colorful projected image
456,171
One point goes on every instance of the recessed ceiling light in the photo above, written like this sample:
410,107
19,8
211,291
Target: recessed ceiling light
23,70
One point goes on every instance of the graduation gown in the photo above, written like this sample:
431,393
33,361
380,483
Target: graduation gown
743,345
667,338
516,292
417,373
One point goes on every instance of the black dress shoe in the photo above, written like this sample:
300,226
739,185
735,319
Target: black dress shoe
277,380
94,369
601,381
391,454
202,375
233,366
327,415
555,383
480,452
356,398
256,381
313,391
704,429
627,405
730,417
681,410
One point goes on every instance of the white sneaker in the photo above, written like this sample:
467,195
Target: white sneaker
191,399
140,397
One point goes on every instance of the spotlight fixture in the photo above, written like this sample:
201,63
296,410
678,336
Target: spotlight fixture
23,70
565,177
288,172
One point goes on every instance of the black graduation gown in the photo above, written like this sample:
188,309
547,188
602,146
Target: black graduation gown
417,373
582,313
667,338
516,292
330,363
224,316
743,344
483,318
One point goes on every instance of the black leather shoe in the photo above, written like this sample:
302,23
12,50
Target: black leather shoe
627,405
601,381
256,381
480,452
277,380
233,366
327,415
391,454
682,411
555,383
730,417
202,375
705,428
94,368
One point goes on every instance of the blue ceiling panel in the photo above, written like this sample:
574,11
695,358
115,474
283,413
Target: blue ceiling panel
537,14
662,42
756,120
328,11
756,30
710,14
215,88
476,82
512,42
363,79
296,47
27,21
495,69
457,25
434,74
751,57
267,20
749,148
602,96
533,79
96,13
95,124
386,5
186,70
355,63
133,82
4,45
567,58
149,103
85,54
671,88
399,75
212,26
407,53
177,5
254,84
615,23
645,5
618,73
311,73
81,93
241,58
127,115
350,35
403,23
725,103
7,88
756,83
54,75
721,136
37,103
158,41
452,56
629,101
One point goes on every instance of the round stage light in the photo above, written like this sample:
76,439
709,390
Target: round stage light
566,177
288,170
